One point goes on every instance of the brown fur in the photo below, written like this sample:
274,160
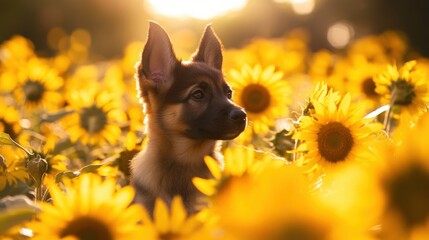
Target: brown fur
189,109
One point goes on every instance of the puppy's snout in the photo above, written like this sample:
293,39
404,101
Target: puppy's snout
237,115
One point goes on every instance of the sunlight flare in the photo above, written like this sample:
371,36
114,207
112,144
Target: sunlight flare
200,9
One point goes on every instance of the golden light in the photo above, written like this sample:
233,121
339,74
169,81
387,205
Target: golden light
302,7
200,9
340,34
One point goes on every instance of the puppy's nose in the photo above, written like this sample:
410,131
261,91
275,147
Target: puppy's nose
237,115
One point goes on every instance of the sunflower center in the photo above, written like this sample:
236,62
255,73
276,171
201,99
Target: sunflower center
334,141
402,92
87,228
93,119
409,195
7,128
3,167
170,236
302,231
33,90
330,70
255,98
368,88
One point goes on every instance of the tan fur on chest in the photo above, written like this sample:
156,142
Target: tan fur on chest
168,171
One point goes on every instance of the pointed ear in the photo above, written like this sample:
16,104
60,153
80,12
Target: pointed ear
158,58
210,49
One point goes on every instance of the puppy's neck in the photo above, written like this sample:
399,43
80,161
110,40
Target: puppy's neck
176,147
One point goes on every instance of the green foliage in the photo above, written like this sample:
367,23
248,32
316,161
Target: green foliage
15,210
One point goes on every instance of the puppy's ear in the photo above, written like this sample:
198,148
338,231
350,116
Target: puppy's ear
210,49
158,59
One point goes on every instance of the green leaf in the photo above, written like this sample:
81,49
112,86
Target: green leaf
90,168
15,210
5,139
55,117
86,169
67,174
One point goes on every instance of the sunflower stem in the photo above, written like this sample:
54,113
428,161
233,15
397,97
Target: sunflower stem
388,116
294,155
39,194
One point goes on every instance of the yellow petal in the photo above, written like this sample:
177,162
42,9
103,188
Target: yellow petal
161,216
206,186
178,214
213,166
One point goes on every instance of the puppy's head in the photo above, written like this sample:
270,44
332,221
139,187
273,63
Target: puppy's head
190,98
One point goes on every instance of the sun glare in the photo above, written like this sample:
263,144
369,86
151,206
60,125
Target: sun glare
302,7
201,9
340,34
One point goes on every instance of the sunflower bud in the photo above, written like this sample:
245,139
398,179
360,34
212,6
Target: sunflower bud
37,167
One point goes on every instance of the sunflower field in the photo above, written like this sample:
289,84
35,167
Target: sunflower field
335,145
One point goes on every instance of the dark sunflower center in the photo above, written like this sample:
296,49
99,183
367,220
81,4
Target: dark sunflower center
170,236
255,98
368,88
334,141
93,119
87,228
33,91
302,231
8,128
402,92
330,70
409,195
3,167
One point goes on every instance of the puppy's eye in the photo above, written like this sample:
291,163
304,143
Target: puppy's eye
229,94
197,94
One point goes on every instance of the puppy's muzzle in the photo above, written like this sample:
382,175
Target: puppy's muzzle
238,116
237,119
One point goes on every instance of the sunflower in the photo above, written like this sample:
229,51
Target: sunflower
254,185
370,48
405,88
12,169
136,119
13,53
263,93
174,223
18,48
328,67
80,211
395,45
95,118
38,86
131,56
83,78
405,184
335,133
239,162
321,94
342,190
9,119
43,146
361,81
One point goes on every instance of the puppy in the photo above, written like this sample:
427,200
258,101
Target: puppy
189,108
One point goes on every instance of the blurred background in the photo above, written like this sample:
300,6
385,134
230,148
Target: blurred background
112,24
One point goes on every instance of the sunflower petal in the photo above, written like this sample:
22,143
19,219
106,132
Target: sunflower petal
213,166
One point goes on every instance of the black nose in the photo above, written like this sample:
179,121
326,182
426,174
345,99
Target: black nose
237,115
